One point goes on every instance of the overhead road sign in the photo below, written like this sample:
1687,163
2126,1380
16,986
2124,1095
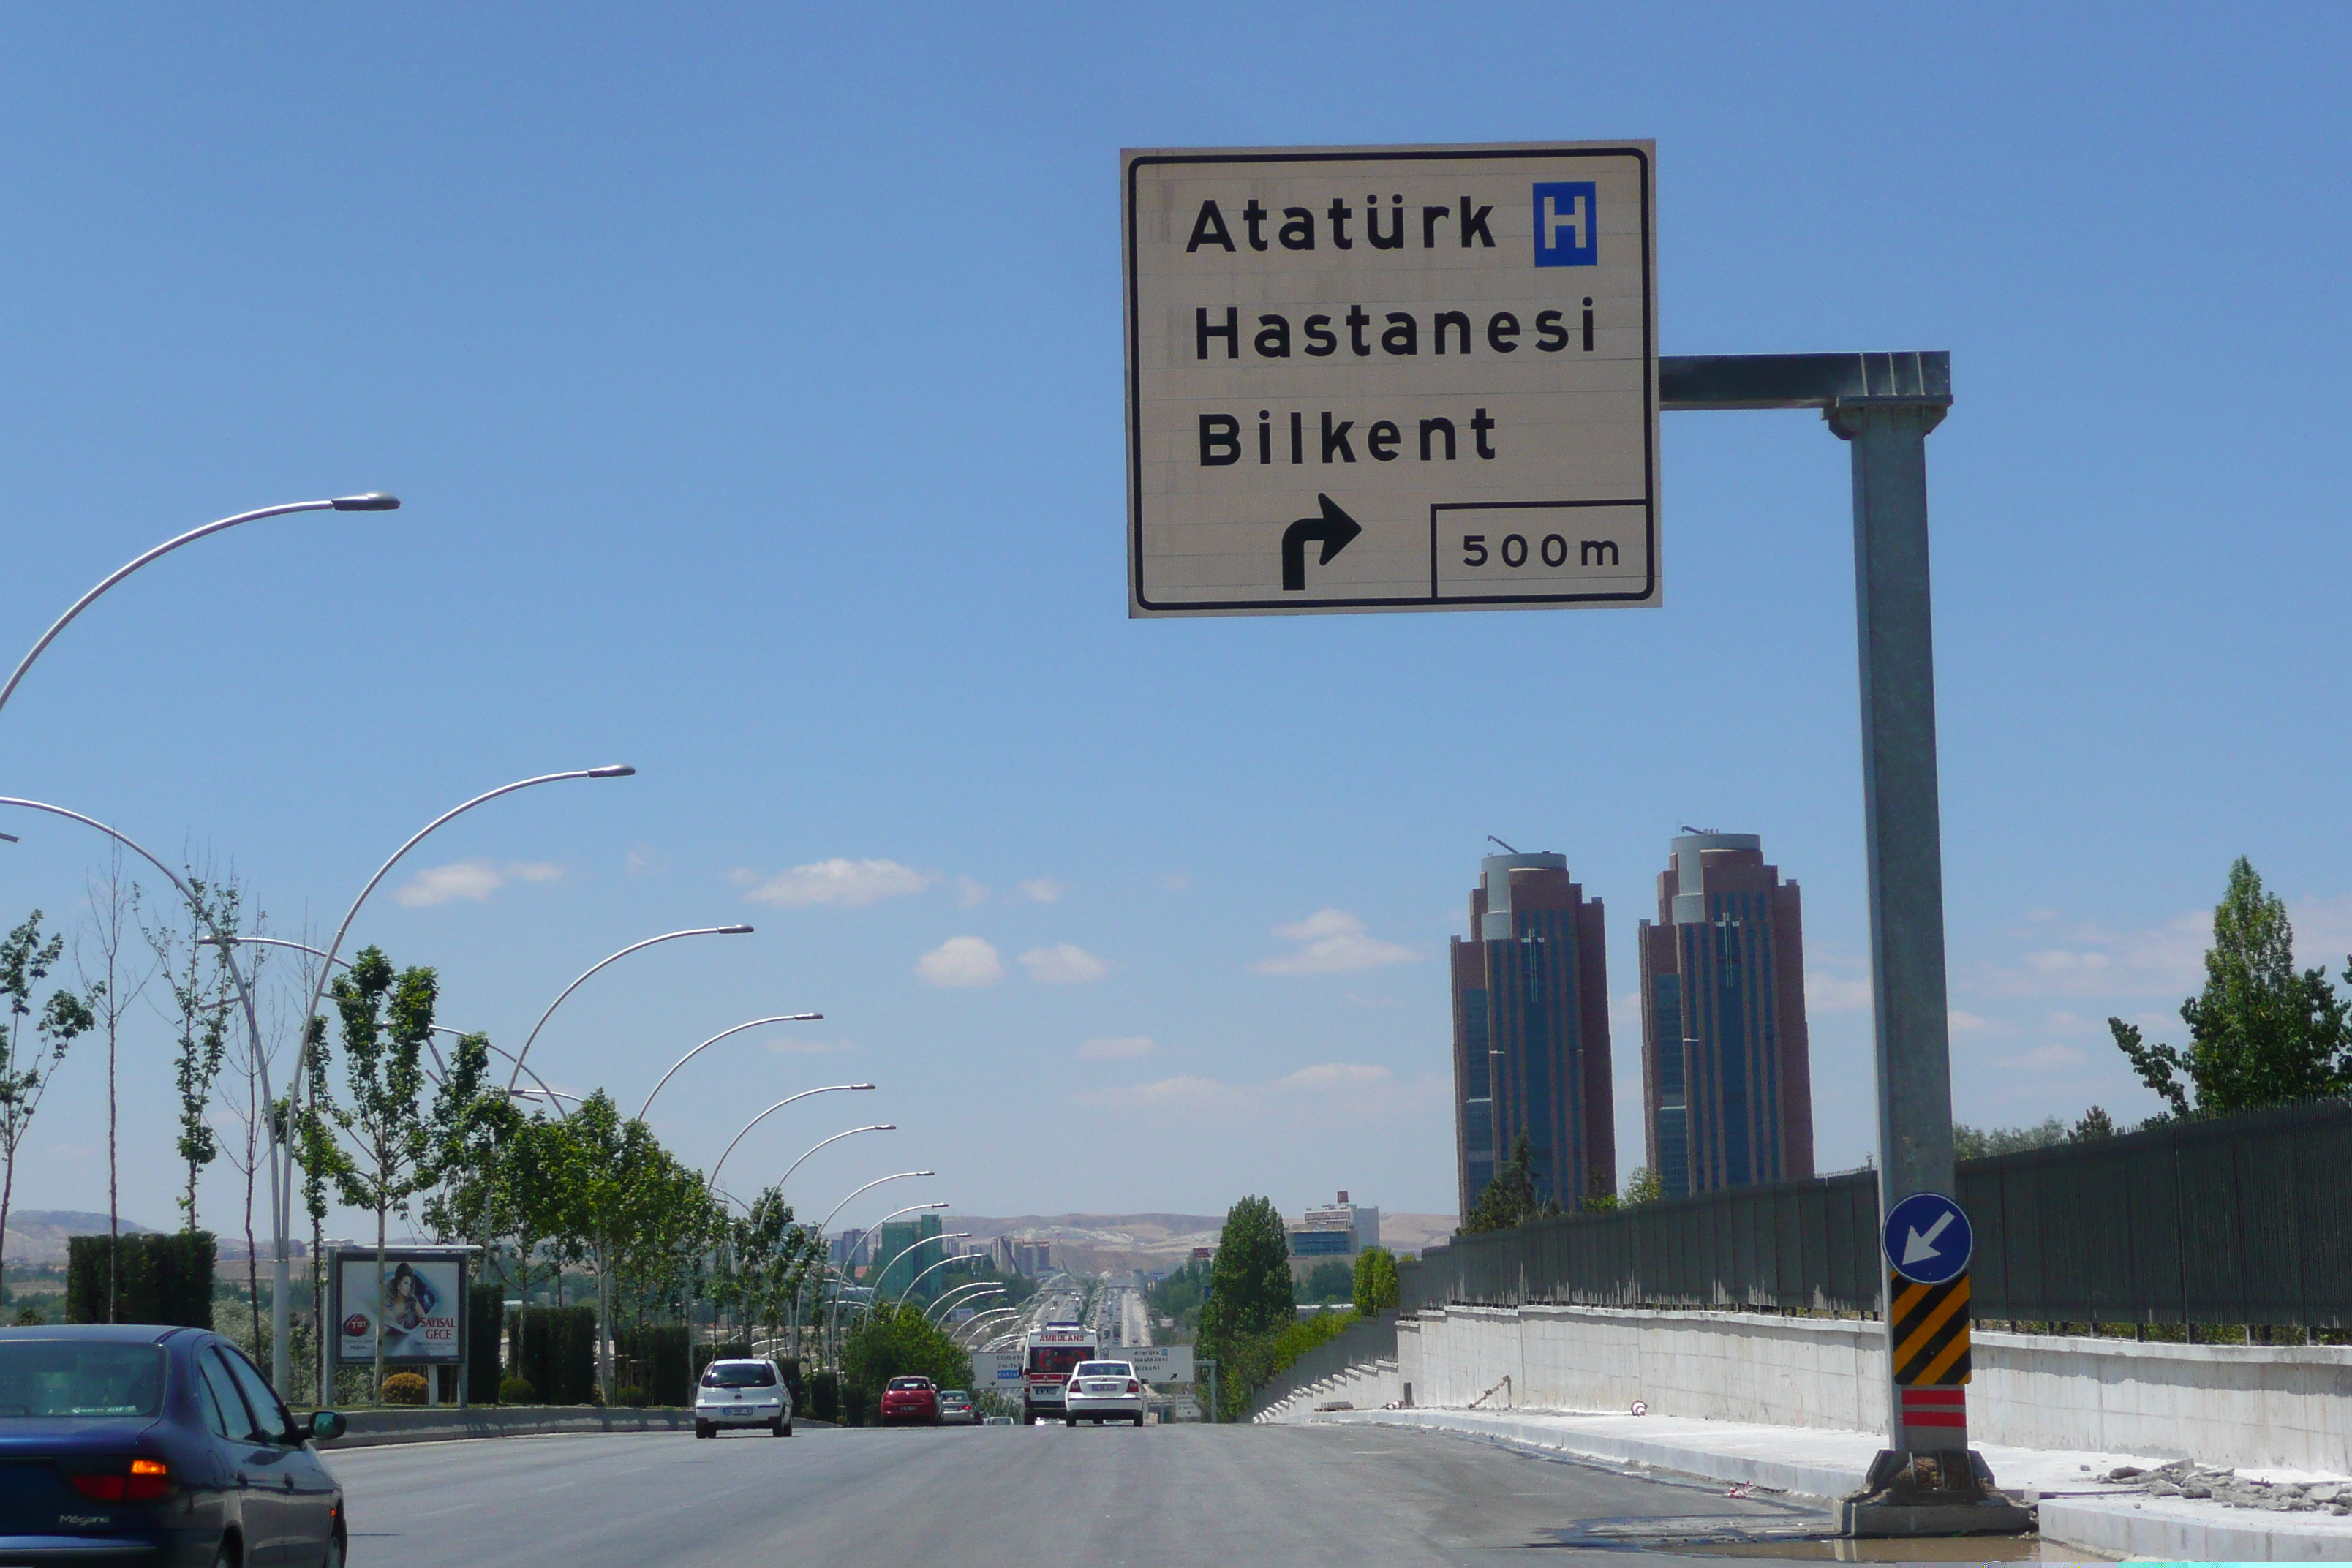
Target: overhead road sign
1928,1238
1391,378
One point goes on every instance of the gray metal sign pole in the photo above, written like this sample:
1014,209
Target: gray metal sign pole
1884,405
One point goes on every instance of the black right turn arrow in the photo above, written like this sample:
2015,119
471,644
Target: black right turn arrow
1334,529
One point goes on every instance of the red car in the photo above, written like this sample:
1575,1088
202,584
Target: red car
909,1399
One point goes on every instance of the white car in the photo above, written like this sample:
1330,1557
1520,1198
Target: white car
1102,1391
742,1394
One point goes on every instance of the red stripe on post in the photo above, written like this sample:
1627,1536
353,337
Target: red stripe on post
1933,1419
1935,1395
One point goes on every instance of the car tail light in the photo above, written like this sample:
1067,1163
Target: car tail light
146,1480
1133,1386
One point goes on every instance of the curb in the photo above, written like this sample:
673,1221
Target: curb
2116,1528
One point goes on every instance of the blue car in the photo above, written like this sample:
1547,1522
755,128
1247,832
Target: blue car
134,1443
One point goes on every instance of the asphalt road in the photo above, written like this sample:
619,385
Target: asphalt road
1220,1497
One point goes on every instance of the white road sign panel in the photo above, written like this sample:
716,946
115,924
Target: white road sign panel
1157,1363
1390,378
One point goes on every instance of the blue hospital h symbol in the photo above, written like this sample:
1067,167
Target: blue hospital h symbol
1565,233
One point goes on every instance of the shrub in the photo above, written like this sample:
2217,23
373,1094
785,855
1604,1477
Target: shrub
634,1398
516,1391
825,1398
404,1388
160,1278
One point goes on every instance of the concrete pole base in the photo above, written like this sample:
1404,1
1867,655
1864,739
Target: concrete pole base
1949,1493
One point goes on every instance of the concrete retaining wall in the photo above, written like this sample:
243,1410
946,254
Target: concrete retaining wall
2220,1405
1368,1386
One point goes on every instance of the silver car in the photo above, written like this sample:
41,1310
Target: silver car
742,1394
1102,1391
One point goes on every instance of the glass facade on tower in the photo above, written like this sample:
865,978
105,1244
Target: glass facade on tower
1727,1076
1531,1033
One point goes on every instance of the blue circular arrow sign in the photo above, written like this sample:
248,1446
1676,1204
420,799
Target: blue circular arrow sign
1928,1238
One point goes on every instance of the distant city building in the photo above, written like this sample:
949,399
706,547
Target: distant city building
897,1257
1032,1259
1531,1033
1726,1072
1331,1232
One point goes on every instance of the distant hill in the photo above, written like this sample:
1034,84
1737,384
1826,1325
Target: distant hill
39,1236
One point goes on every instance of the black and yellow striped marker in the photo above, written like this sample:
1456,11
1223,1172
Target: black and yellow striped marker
1931,1331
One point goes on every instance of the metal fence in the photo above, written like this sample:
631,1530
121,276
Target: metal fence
2243,1219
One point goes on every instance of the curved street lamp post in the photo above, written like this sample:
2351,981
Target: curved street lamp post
371,500
777,1019
828,1089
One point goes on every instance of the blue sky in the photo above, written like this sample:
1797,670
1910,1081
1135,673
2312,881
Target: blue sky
752,378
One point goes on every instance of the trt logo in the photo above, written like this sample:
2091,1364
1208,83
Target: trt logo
1567,234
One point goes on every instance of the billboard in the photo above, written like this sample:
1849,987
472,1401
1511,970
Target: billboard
418,1296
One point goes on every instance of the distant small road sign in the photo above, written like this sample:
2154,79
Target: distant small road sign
1928,1238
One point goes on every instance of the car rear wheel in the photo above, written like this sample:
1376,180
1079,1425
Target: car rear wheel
705,1429
1138,1418
777,1428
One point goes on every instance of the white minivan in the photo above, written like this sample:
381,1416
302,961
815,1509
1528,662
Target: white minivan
742,1394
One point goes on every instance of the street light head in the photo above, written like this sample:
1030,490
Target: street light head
374,500
927,1173
734,931
884,1127
870,1085
613,771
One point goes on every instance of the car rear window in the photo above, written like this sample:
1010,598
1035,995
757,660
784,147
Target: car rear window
746,1375
66,1378
910,1383
1103,1369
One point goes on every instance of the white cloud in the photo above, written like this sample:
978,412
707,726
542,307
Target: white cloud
474,879
852,884
1335,1075
1333,943
1124,1049
970,894
645,862
1827,992
1045,890
1184,1094
960,961
1967,1023
1063,964
2093,960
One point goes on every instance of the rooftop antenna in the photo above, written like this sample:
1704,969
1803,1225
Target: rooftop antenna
1688,828
1492,840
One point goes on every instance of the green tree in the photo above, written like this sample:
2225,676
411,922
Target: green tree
1250,1298
1375,1282
201,1003
1645,1188
898,1341
1249,1282
387,1018
2261,1031
25,1073
1511,1198
2095,1123
1328,1283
